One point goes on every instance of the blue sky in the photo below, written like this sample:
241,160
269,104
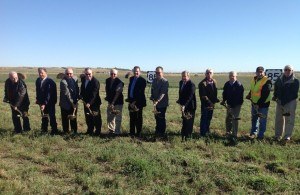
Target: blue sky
176,34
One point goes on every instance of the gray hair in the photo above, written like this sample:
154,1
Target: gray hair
185,72
232,73
113,70
67,69
289,67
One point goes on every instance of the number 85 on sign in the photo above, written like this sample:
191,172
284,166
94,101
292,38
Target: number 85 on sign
273,74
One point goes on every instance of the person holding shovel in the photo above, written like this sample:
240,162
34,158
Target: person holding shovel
114,96
89,94
285,94
160,98
233,95
15,93
260,97
69,93
46,98
208,94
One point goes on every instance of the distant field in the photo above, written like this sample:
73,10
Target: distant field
32,163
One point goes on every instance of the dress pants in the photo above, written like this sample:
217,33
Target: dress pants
114,121
136,122
206,116
187,126
17,121
93,121
232,125
50,110
66,121
285,124
160,118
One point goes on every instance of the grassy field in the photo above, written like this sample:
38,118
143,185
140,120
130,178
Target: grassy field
32,163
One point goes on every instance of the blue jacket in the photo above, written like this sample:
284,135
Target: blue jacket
233,95
46,94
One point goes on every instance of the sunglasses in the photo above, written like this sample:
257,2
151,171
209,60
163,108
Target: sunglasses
287,69
88,74
113,74
69,73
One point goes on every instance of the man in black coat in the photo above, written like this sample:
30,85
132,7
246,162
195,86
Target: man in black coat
15,93
233,98
187,101
114,96
137,100
89,93
69,93
209,96
46,98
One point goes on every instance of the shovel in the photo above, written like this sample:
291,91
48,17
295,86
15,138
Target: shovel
72,116
43,115
19,111
230,112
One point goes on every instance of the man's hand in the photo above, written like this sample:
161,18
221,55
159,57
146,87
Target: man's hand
75,106
223,103
111,106
155,103
87,105
182,108
42,107
274,98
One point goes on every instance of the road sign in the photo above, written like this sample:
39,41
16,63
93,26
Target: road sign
273,74
150,76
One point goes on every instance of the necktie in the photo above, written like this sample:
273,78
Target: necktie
132,87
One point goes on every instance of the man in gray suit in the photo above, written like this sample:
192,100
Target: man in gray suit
68,101
159,96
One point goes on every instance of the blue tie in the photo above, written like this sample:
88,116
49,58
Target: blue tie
132,87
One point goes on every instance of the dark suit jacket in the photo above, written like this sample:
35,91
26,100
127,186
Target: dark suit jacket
46,94
138,92
209,91
90,94
187,95
16,94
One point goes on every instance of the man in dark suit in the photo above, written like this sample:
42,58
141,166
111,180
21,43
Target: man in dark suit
187,101
137,100
69,93
46,98
89,92
15,93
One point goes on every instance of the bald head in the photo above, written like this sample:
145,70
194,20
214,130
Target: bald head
13,76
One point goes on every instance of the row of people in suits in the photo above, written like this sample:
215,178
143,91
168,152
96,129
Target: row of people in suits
46,97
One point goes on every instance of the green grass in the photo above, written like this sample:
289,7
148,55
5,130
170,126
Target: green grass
32,163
